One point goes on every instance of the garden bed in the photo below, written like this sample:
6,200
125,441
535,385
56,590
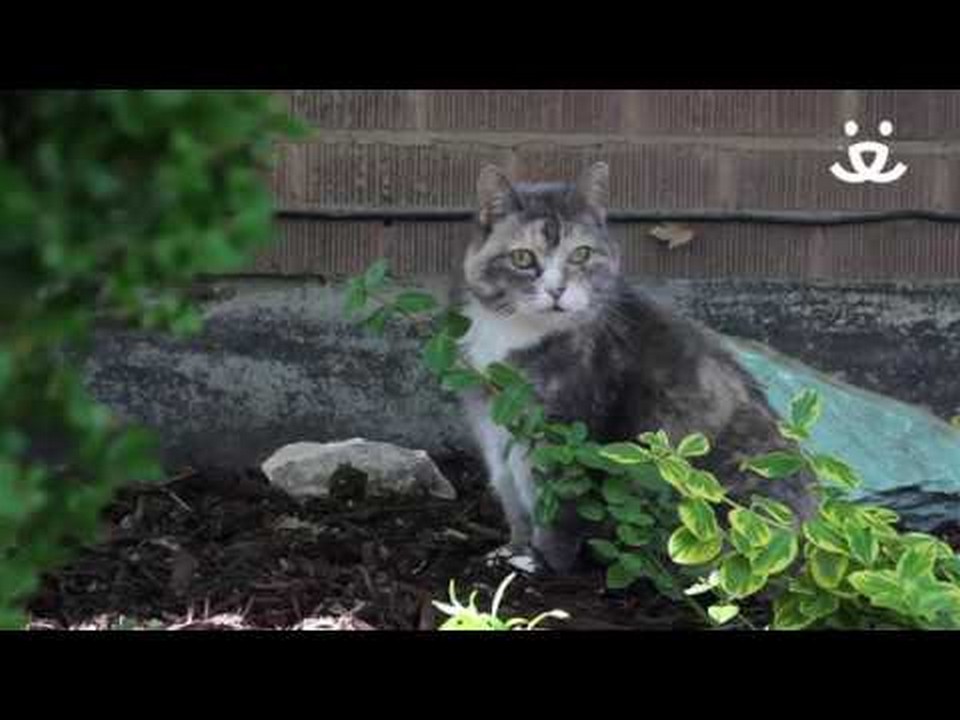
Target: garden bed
221,549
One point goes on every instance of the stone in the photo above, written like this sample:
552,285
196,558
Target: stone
312,469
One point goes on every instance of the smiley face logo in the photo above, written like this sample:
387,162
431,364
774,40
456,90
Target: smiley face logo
874,172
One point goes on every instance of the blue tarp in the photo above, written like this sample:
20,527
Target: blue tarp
908,458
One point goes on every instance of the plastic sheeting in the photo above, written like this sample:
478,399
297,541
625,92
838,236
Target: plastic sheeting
908,458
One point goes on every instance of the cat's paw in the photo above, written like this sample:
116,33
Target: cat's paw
518,559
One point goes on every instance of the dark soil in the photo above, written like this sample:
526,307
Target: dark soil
221,549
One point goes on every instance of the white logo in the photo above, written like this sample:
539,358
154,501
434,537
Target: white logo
861,172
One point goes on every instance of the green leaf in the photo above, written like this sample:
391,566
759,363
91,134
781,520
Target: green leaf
632,535
376,275
591,509
646,477
589,455
787,614
658,440
6,368
774,465
636,563
625,453
631,510
578,433
546,456
932,597
504,375
751,526
819,606
619,576
414,302
461,379
774,510
742,544
510,404
356,296
882,588
604,550
685,548
616,490
880,514
917,561
824,536
675,471
722,614
738,579
377,321
694,445
833,470
864,546
440,353
828,569
703,484
546,507
778,554
839,513
454,324
697,515
532,422
569,488
792,432
805,409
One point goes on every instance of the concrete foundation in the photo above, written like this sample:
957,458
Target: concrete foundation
277,363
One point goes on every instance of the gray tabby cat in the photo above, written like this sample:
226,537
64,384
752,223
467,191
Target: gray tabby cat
542,285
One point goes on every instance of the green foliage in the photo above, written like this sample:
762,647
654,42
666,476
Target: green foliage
468,617
846,567
111,202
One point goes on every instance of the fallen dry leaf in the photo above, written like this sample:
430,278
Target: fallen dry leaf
673,234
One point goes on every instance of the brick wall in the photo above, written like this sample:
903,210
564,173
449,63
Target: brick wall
696,153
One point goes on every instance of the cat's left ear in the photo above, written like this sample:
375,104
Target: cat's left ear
594,188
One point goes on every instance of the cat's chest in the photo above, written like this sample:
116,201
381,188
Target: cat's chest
493,338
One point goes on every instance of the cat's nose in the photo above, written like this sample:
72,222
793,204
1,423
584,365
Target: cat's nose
555,293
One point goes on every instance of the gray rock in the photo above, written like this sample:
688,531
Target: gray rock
311,469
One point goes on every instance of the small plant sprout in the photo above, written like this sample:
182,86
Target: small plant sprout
468,617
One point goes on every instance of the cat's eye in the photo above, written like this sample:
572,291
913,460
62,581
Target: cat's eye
523,259
581,255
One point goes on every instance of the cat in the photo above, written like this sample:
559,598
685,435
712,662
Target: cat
542,285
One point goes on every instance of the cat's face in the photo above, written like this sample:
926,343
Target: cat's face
543,252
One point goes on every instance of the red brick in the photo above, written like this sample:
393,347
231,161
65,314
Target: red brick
428,248
901,250
734,112
379,175
355,109
915,114
546,111
641,176
719,250
310,247
801,180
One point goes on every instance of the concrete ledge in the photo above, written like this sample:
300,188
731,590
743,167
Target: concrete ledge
277,363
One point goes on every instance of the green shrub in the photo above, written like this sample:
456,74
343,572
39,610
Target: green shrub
110,203
675,525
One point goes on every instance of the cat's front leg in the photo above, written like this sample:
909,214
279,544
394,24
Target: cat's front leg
518,552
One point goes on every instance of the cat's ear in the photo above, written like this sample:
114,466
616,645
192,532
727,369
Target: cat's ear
495,194
593,187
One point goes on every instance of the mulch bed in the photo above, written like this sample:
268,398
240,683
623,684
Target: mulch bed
221,550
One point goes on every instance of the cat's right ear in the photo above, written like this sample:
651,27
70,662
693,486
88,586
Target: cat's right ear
495,194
